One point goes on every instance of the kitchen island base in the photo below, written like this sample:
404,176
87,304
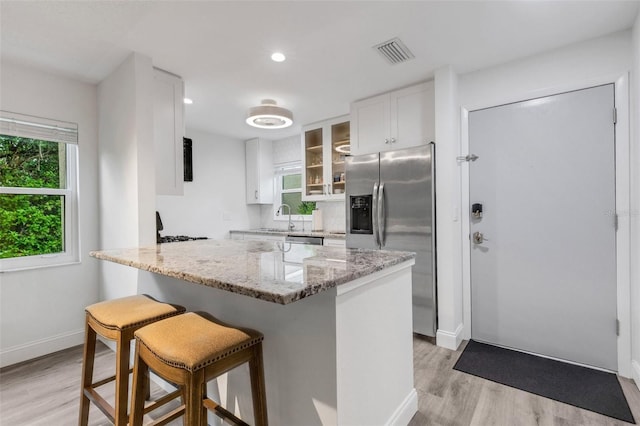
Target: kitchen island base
340,357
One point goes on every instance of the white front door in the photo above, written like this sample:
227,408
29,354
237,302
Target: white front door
543,272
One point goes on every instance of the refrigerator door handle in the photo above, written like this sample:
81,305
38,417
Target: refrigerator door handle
381,216
374,214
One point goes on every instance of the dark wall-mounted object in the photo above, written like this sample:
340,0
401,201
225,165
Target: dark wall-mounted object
188,159
476,210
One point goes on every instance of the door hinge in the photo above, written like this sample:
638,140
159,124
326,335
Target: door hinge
617,327
615,115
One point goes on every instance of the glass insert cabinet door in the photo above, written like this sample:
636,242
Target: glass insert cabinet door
314,162
325,145
340,147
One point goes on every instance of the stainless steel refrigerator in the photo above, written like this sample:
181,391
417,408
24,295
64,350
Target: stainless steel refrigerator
390,202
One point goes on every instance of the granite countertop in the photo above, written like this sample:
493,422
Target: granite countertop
297,232
272,271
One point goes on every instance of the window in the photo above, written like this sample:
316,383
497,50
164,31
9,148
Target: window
289,191
38,192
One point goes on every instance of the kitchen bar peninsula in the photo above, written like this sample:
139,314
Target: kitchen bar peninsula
337,323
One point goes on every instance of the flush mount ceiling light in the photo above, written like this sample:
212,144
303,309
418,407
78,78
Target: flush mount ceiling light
278,57
268,115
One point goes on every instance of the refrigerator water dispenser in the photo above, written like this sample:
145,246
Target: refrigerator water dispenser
361,218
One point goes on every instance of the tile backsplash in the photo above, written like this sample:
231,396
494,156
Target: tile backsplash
333,215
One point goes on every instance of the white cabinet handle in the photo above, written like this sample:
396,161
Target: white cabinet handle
393,140
256,194
386,140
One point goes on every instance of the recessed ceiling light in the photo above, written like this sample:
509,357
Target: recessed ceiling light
278,57
269,115
188,101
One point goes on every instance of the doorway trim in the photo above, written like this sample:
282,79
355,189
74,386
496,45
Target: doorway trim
622,193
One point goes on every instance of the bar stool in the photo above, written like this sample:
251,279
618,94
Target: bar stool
189,350
117,320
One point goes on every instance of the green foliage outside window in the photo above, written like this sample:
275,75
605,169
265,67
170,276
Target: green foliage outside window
291,192
31,224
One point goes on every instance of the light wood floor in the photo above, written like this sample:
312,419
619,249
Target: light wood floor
46,392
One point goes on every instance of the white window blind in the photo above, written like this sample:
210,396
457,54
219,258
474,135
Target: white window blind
27,126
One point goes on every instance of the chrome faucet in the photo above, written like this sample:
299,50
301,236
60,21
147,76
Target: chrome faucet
291,225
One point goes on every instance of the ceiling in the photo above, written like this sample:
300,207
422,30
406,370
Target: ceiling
222,49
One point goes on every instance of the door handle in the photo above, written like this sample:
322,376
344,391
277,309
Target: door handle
374,214
381,221
256,194
478,238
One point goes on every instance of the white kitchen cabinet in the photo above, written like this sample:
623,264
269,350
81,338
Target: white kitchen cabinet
394,120
324,146
168,131
259,165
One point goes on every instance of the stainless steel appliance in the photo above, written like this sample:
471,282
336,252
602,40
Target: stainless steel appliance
299,239
390,202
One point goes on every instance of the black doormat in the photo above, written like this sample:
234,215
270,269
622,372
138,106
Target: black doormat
582,387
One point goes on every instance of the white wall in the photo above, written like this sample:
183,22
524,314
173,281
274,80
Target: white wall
42,310
214,202
126,168
635,204
574,66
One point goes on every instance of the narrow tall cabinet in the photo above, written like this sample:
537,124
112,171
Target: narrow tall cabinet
324,147
259,166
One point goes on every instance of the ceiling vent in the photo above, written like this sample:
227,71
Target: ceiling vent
394,51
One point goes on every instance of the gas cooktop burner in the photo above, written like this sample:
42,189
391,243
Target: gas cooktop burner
178,238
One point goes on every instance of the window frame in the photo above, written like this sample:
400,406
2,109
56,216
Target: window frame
282,170
70,219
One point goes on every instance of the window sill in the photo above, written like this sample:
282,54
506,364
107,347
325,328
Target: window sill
36,262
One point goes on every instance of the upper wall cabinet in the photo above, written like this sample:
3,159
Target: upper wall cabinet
324,146
395,120
168,128
259,164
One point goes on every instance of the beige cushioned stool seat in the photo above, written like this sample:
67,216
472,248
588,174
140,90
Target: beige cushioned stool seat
197,340
132,311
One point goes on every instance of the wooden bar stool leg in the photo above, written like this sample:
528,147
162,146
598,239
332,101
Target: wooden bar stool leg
122,379
256,370
88,358
140,372
194,395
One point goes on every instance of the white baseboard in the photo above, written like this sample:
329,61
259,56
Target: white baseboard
635,372
37,348
405,411
449,340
